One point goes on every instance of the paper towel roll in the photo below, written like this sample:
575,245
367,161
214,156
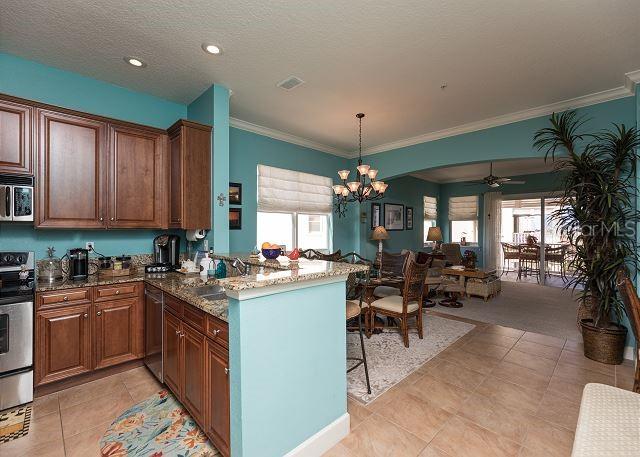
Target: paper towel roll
195,235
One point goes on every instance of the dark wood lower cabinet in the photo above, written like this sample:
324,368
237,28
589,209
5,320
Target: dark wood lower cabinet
115,332
196,369
217,387
63,343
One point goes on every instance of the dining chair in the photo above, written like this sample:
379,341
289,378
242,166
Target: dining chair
529,260
356,286
554,258
406,306
391,267
632,307
509,252
313,254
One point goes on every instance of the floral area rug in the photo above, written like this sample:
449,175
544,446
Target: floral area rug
156,427
14,423
390,362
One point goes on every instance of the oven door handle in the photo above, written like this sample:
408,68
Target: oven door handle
8,201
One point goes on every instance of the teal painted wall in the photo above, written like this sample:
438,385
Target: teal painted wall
503,142
248,149
34,81
286,385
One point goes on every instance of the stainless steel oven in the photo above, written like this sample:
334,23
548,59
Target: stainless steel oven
16,328
16,198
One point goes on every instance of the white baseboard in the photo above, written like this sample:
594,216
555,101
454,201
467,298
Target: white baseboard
629,353
324,440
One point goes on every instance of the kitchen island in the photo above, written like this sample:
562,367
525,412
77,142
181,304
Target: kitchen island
286,349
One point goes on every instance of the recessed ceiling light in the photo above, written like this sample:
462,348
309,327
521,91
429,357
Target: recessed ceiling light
211,49
135,62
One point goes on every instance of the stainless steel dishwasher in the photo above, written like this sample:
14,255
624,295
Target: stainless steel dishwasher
153,309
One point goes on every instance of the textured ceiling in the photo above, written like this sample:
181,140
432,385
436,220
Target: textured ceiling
474,171
387,59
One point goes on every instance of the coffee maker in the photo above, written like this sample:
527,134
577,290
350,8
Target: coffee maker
166,250
78,263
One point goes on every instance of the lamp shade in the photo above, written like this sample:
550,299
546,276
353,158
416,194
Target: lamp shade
434,234
379,233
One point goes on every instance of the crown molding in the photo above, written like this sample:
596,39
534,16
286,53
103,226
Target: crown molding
578,102
632,79
282,136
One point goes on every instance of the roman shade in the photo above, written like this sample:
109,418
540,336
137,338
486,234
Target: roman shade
430,207
463,208
292,191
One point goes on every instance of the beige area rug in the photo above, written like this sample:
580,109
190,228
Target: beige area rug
530,307
390,362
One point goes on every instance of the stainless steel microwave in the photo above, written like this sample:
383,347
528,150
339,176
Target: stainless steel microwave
16,198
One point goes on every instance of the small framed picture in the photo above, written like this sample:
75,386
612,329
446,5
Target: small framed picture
409,218
235,193
235,218
375,215
393,216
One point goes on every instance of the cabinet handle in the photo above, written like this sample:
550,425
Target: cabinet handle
99,313
65,298
226,371
178,332
118,292
86,315
216,332
181,334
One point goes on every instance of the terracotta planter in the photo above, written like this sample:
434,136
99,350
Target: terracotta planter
604,345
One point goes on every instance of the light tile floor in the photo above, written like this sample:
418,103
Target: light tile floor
72,421
497,391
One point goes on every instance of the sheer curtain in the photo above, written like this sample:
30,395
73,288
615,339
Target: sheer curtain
491,239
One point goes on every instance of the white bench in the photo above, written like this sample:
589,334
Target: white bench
609,423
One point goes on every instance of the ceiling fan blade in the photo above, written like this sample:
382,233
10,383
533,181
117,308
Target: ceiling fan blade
514,182
502,180
474,183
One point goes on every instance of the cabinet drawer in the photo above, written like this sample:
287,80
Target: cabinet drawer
65,297
194,317
218,331
173,304
115,291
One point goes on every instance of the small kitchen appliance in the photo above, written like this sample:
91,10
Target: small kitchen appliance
16,198
78,263
16,328
166,251
50,269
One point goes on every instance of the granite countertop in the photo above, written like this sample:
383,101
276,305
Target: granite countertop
263,273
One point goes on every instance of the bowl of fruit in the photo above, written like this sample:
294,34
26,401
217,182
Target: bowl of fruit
271,251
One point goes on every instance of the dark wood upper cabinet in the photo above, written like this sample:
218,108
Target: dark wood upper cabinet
63,343
115,331
137,178
217,387
190,175
71,171
16,131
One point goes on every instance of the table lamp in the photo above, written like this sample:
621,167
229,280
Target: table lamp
435,234
379,234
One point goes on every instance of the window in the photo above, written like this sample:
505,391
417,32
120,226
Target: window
463,217
294,209
430,215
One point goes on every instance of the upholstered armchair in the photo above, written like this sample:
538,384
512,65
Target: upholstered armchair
452,253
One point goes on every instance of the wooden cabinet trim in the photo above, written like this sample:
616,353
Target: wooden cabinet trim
218,414
115,291
173,304
23,164
65,297
119,334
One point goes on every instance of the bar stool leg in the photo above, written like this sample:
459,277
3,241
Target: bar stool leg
364,355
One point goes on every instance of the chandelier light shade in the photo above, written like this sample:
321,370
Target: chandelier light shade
363,188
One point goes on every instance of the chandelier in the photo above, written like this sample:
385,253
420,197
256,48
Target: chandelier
363,188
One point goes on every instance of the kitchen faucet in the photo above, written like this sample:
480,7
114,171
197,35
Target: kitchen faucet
241,267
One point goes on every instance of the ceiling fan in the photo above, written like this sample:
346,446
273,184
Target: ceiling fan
496,181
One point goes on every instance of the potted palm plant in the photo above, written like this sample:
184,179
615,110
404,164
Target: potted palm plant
597,214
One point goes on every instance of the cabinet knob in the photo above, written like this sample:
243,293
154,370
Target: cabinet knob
65,298
226,370
99,313
179,219
182,334
86,315
216,332
101,219
178,332
118,292
111,219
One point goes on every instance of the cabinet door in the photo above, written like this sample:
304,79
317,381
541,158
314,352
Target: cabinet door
15,138
175,181
70,171
171,353
136,177
193,372
115,325
217,394
62,343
